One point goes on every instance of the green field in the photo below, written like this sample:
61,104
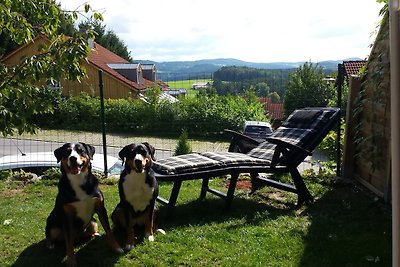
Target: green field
186,84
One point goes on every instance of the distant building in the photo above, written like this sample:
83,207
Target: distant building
352,67
149,72
176,92
200,85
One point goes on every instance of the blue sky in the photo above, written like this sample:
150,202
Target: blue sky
250,30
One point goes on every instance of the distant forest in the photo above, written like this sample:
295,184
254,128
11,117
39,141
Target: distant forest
237,80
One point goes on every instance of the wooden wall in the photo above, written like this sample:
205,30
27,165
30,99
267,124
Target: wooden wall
112,87
367,142
15,57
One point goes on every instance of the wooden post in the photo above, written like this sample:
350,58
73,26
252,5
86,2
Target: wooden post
394,37
351,121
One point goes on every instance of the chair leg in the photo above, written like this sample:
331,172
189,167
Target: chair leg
303,195
204,187
231,190
255,184
174,196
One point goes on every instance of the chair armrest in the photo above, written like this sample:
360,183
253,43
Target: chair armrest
283,144
242,136
240,142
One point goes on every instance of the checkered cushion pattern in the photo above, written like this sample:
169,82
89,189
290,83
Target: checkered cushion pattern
299,129
205,161
264,151
234,159
308,118
184,163
294,136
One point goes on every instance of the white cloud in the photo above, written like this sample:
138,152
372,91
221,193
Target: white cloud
252,30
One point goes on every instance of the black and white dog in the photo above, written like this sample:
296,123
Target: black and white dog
138,191
78,199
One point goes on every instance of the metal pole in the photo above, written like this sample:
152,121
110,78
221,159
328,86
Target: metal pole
103,123
394,37
339,105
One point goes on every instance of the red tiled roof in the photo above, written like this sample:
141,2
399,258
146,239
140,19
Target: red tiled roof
274,110
353,67
100,57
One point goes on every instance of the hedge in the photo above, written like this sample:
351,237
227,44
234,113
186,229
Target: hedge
202,116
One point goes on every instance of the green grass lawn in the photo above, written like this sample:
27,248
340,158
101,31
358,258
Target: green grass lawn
345,226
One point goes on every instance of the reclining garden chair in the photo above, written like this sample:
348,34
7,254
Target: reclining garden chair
282,152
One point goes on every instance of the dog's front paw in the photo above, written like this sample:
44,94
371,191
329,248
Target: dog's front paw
129,247
49,244
116,247
150,238
119,250
71,262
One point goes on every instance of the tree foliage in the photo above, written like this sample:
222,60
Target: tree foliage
108,39
237,80
306,88
21,21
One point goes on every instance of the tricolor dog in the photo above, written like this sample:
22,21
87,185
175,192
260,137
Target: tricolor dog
138,191
78,199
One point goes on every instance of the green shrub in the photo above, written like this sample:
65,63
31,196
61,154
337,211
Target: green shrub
183,146
328,145
202,116
52,174
4,174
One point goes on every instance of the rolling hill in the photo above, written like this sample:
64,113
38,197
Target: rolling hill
178,70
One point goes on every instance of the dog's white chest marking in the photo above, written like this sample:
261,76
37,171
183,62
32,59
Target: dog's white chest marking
85,204
85,209
137,192
76,180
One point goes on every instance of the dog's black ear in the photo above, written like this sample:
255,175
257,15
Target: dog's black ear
124,152
59,153
151,149
89,149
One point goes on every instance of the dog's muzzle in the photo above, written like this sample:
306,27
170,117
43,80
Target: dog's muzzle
138,165
75,165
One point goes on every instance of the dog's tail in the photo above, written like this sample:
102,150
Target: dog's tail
161,231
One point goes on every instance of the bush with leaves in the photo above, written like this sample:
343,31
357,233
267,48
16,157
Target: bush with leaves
203,116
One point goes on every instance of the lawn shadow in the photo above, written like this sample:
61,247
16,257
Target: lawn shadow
95,252
349,227
38,254
212,209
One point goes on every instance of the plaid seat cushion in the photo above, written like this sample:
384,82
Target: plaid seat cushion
235,159
263,151
184,163
308,118
302,118
205,161
294,136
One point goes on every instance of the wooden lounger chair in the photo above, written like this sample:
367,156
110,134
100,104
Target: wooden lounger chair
282,152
